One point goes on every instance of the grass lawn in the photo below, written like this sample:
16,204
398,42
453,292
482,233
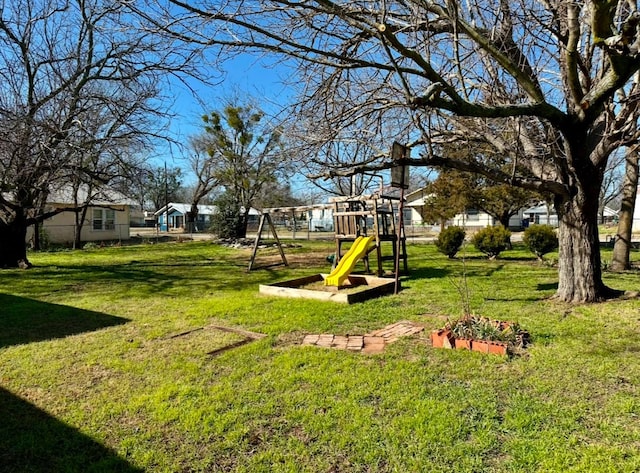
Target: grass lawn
105,366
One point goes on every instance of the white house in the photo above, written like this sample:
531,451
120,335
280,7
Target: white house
316,217
178,213
106,218
541,214
636,214
320,218
544,213
471,218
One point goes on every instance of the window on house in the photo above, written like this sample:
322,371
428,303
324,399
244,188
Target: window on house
97,219
104,219
473,215
109,219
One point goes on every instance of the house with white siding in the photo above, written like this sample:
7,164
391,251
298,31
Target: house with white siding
470,218
106,218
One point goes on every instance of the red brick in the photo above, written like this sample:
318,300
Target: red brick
373,349
310,339
340,342
355,342
325,340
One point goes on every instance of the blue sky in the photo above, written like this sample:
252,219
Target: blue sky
244,74
255,76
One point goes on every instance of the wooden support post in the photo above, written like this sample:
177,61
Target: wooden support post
265,217
400,236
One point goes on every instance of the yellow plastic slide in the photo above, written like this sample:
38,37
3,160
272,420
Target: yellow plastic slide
348,261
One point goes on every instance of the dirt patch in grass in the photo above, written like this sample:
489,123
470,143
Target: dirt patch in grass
295,260
207,339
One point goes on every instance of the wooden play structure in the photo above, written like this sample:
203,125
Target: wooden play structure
373,216
265,219
266,224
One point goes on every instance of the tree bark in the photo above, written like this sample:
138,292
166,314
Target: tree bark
622,246
80,217
504,221
36,237
13,247
579,263
193,213
243,221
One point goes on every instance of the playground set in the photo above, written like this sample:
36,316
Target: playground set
369,223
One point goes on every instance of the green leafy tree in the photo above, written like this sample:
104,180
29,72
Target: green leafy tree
501,201
445,197
244,156
227,222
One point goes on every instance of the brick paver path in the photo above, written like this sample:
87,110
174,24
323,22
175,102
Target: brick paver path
373,342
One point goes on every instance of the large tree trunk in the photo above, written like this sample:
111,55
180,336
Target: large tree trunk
622,246
243,221
579,264
13,246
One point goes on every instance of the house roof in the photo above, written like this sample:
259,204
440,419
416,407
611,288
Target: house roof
418,202
100,196
183,208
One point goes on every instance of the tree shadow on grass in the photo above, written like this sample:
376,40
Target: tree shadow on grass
27,320
153,277
547,286
33,441
428,273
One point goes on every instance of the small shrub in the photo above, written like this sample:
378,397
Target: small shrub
450,240
491,240
540,240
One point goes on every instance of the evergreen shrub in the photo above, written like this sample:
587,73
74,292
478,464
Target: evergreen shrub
450,240
491,240
540,240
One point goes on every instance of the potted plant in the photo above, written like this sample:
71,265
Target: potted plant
472,332
462,330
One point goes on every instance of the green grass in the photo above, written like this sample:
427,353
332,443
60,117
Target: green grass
93,378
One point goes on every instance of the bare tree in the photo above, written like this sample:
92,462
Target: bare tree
79,96
207,179
612,182
622,246
538,81
318,147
